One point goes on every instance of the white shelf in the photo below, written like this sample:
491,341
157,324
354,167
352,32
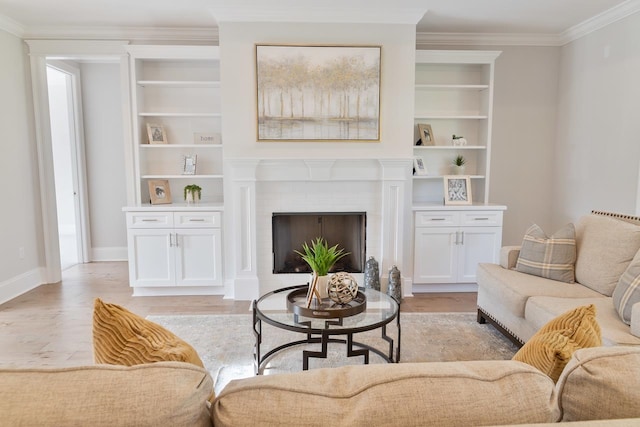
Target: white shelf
441,176
451,86
198,176
147,114
449,147
179,83
450,116
165,146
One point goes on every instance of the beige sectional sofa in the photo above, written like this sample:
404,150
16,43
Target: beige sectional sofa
597,384
519,304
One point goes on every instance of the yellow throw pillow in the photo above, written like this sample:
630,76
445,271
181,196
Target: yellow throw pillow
551,348
123,338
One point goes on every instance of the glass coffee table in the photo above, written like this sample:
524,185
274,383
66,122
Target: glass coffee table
273,308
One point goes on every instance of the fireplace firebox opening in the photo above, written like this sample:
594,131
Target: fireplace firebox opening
291,230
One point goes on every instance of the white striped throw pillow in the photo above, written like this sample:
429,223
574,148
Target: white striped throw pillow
627,291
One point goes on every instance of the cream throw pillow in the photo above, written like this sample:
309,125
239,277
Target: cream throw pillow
123,338
549,257
551,348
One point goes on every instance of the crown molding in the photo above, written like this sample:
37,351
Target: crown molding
486,39
362,12
597,22
9,25
172,34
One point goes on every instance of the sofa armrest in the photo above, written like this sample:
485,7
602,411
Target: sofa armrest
635,319
509,256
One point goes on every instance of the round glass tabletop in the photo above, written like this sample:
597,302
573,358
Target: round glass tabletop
380,310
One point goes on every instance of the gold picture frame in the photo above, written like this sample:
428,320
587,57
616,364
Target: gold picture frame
156,134
318,93
159,191
426,134
457,190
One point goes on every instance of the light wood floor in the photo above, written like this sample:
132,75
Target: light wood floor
51,325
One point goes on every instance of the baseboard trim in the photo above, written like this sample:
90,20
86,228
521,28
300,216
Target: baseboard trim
177,291
109,254
445,287
18,285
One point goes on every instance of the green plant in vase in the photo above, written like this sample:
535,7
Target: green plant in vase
320,258
458,164
192,191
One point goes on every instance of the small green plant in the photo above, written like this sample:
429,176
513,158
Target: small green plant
320,256
459,161
194,190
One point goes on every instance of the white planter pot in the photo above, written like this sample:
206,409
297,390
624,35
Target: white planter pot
457,170
323,281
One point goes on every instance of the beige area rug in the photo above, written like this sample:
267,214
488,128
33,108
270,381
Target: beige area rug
225,343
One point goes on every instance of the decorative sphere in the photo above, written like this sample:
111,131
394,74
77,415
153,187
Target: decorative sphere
342,288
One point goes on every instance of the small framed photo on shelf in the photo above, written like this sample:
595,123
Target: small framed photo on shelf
207,138
457,190
189,165
426,135
156,134
419,167
159,191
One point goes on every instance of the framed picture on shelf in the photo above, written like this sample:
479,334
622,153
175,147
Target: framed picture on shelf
156,134
418,166
189,165
426,135
159,191
457,190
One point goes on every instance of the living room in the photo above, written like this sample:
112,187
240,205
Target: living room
562,140
560,107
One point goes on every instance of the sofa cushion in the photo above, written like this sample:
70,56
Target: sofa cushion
512,289
605,247
542,309
553,345
627,291
407,394
550,257
601,383
121,337
158,394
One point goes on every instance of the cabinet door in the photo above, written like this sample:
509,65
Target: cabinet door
151,258
198,257
476,245
435,255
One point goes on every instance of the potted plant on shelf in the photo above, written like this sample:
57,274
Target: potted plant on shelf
320,258
192,193
458,165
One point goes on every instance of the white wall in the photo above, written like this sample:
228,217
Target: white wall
20,213
597,153
103,129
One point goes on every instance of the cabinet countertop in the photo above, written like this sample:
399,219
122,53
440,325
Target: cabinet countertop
175,207
417,207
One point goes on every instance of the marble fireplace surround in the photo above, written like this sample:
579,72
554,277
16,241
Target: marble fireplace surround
259,187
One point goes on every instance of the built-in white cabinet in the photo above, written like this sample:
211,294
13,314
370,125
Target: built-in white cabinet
450,242
454,96
176,89
175,252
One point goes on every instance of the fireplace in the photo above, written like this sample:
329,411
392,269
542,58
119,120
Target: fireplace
291,230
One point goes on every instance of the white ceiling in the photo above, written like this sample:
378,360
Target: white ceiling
55,18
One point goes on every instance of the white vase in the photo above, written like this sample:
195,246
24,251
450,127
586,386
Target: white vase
191,198
323,281
458,170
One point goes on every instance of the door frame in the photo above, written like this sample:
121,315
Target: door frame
41,52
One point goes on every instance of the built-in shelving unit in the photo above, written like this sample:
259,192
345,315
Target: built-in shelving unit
177,87
454,95
176,248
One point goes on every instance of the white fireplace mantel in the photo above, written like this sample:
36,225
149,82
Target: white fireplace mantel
259,187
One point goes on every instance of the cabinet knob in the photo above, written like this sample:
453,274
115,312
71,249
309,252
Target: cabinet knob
437,219
481,219
196,219
150,220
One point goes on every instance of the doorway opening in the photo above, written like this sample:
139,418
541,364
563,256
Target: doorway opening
68,161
